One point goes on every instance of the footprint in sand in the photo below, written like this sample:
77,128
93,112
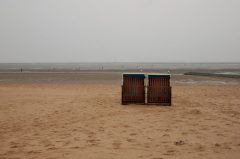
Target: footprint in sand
126,126
218,134
226,146
133,134
165,135
149,138
195,112
76,139
184,133
93,142
14,145
101,129
147,146
67,143
123,131
46,143
200,148
33,152
52,148
116,144
131,140
170,152
217,145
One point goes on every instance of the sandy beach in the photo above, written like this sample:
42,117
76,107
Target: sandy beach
79,115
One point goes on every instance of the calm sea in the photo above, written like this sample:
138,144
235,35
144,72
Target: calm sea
51,67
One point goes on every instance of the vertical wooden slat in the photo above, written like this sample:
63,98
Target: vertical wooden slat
132,87
164,90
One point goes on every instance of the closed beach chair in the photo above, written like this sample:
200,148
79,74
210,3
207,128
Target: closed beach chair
133,89
159,89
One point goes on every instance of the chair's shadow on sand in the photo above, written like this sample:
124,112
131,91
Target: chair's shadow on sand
158,106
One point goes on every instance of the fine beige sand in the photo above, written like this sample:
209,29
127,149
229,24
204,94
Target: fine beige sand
76,116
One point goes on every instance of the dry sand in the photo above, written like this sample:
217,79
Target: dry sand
80,116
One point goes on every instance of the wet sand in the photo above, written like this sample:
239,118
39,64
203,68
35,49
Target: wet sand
80,116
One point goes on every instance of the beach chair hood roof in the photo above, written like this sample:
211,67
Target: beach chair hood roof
139,75
156,75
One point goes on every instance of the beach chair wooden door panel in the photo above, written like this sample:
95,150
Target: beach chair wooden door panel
159,90
133,90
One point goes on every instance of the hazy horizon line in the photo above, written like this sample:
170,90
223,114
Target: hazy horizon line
177,62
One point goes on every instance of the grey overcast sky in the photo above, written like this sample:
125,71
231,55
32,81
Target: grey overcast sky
119,31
